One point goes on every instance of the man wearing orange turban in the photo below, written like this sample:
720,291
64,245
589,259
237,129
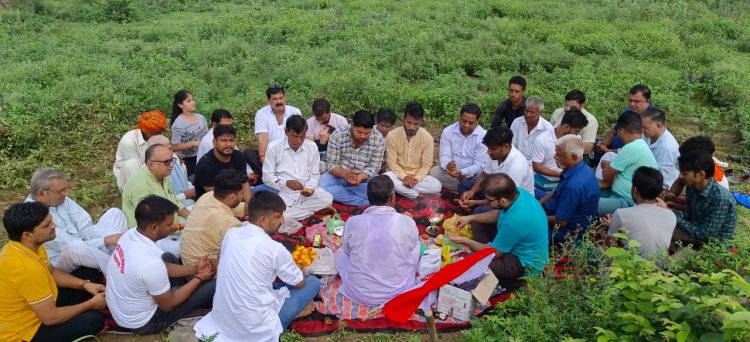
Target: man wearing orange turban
132,147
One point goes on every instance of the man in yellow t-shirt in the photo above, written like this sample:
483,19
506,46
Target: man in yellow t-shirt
29,288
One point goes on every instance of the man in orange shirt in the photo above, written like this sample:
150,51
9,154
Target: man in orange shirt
30,307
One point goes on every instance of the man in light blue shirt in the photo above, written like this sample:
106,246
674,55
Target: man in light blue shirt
79,241
617,175
462,154
521,236
663,145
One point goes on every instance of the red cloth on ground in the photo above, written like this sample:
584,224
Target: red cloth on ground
399,309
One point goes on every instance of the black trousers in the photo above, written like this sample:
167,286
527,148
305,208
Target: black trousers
87,323
507,268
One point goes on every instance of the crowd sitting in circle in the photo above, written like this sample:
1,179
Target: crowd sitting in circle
524,185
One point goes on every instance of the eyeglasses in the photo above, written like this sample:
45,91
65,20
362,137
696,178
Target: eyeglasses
61,193
165,162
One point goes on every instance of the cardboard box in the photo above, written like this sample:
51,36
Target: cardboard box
460,303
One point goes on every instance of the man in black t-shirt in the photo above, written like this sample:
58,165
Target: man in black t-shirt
514,106
223,156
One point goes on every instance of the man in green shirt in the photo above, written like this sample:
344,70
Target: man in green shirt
617,175
152,179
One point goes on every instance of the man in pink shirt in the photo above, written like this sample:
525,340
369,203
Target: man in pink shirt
379,255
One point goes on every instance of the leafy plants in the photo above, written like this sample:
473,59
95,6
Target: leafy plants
651,304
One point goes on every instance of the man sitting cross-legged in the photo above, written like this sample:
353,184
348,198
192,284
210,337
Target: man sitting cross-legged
504,158
213,215
662,144
673,197
178,177
409,155
223,156
249,305
269,125
529,127
142,291
572,206
354,156
292,167
322,118
39,302
711,212
617,173
462,154
79,241
577,99
220,117
546,170
520,235
153,179
132,147
379,253
646,222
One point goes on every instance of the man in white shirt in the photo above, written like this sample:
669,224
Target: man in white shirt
140,279
663,145
462,154
322,118
504,158
546,169
218,117
577,99
269,126
529,127
131,150
292,167
248,305
79,241
369,275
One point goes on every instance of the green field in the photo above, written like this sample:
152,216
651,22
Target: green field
76,74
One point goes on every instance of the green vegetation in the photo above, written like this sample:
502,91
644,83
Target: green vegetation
612,294
76,75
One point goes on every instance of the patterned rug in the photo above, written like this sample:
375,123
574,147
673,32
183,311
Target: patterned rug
335,309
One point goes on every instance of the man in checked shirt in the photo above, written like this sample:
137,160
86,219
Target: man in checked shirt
355,154
711,213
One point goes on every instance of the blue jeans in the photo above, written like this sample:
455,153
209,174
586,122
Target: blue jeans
343,192
298,299
609,202
466,185
258,188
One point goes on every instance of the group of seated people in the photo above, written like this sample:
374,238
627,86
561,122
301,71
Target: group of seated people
523,186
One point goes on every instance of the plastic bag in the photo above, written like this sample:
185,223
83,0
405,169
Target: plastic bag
333,223
449,226
318,228
429,263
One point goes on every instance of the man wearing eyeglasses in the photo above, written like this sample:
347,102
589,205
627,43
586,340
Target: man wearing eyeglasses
79,241
519,231
152,179
270,122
